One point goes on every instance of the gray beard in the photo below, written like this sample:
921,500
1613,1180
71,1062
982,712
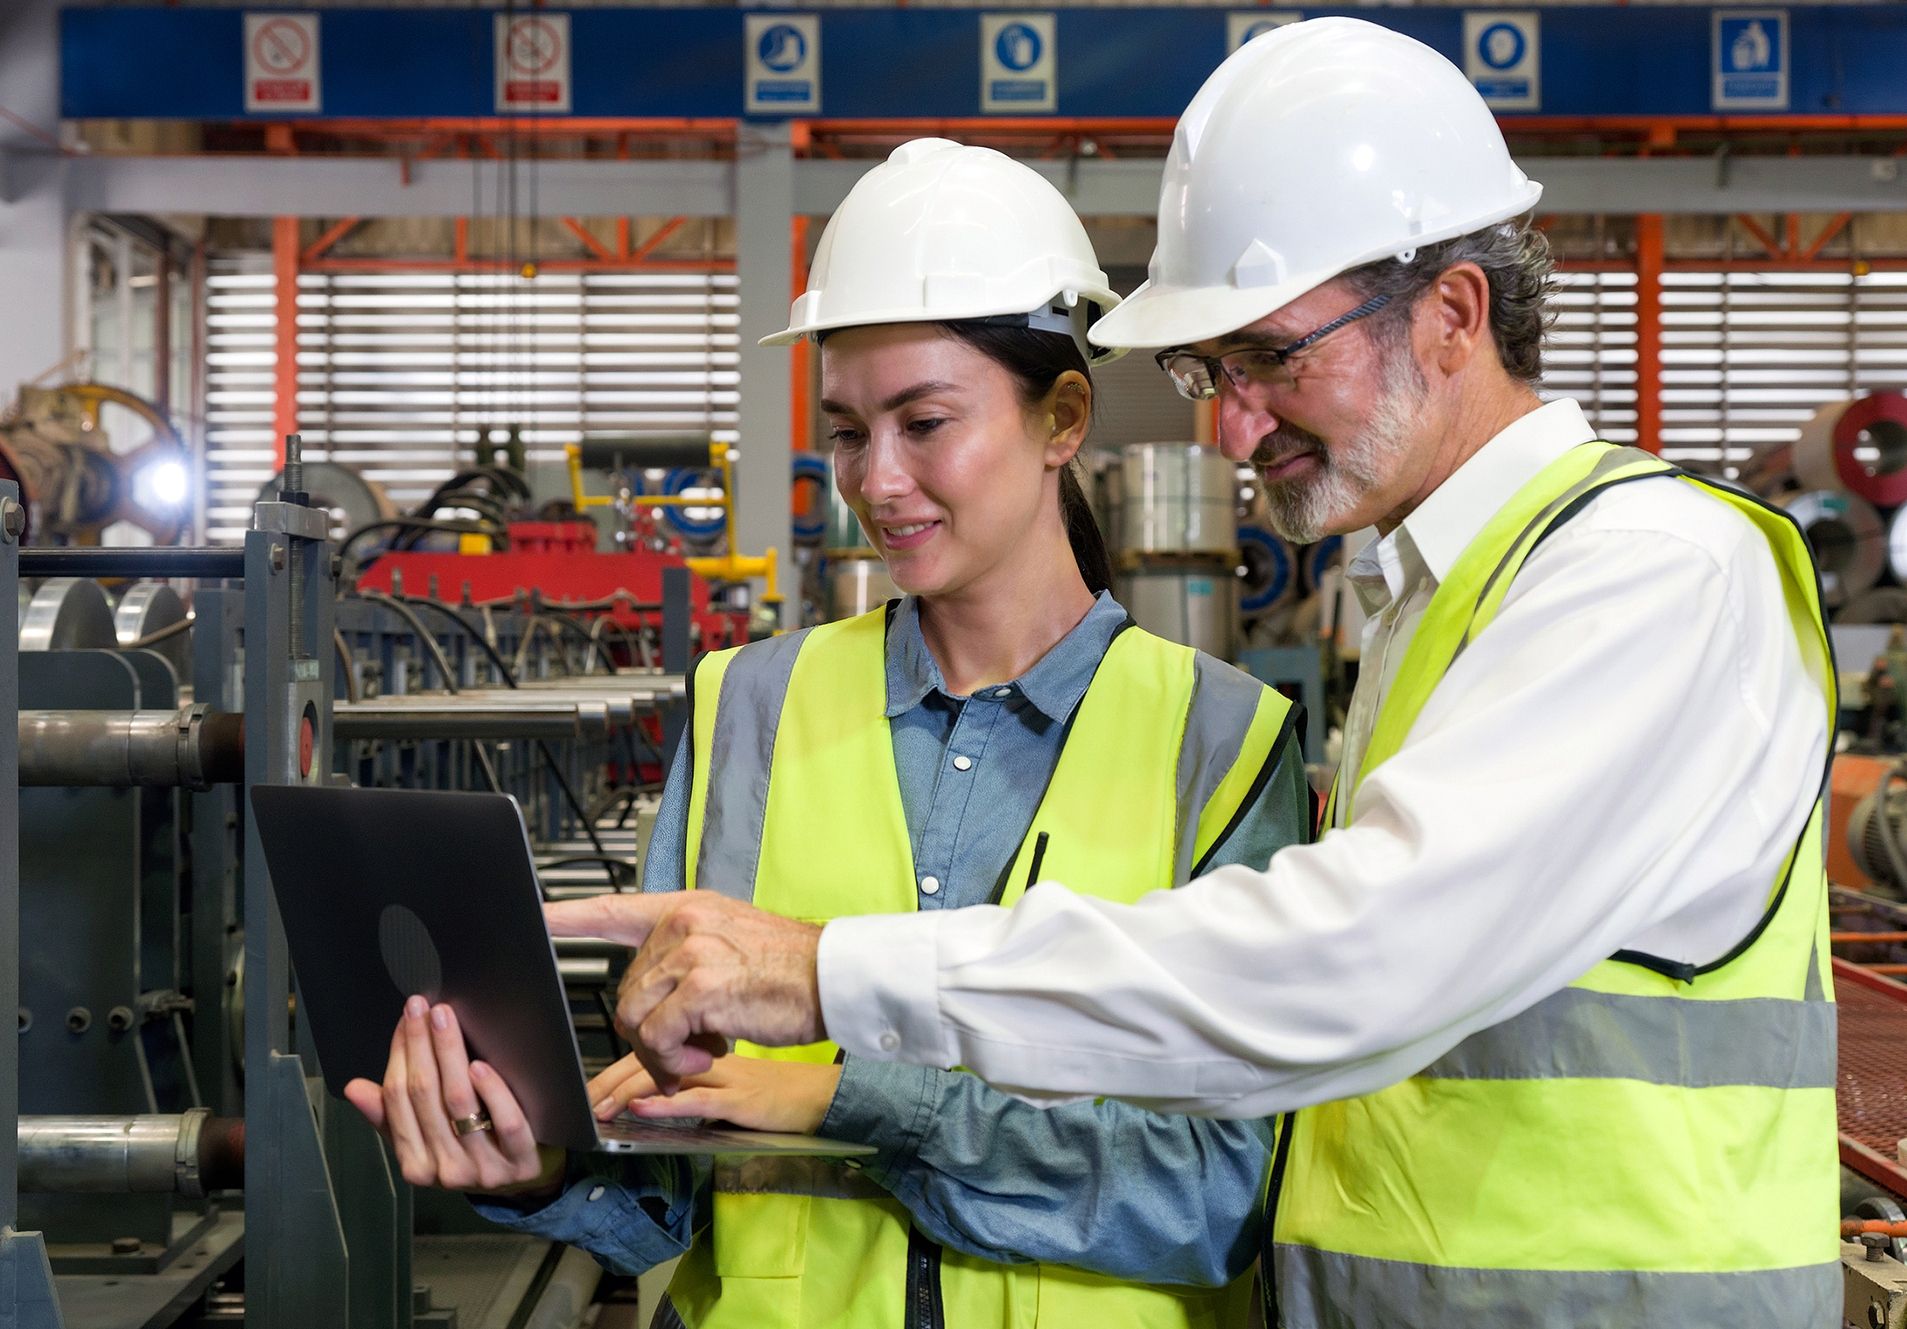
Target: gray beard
1305,511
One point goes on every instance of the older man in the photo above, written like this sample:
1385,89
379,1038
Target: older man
1547,1007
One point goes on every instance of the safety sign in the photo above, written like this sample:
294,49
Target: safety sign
281,62
783,56
1502,56
533,62
1749,63
1242,25
1017,63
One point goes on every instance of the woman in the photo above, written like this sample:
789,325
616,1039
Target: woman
1002,719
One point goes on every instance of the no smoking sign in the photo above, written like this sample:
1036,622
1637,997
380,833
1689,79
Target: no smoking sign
533,62
281,62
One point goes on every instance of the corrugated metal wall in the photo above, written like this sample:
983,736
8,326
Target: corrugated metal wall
398,372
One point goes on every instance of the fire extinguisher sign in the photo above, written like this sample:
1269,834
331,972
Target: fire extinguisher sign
533,63
281,63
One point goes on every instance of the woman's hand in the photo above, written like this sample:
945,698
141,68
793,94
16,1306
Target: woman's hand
751,1092
429,1086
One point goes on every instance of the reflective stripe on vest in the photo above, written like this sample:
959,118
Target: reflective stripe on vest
1556,1169
795,805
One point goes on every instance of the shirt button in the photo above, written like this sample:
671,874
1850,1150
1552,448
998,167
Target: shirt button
595,1194
890,1041
963,763
1003,692
930,885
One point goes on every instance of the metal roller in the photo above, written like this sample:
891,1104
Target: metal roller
647,453
1812,459
856,585
340,490
1177,498
194,748
150,608
464,718
1267,571
1845,533
190,1154
210,562
68,614
1897,545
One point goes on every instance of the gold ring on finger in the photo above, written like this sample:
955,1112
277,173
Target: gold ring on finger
470,1125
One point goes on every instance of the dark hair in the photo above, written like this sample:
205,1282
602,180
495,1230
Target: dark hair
1515,257
1036,360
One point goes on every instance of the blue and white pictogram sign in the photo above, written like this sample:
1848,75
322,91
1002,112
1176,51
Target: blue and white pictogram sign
1244,24
1018,68
1749,60
783,64
1502,56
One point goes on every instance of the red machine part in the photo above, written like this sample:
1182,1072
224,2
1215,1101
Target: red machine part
559,562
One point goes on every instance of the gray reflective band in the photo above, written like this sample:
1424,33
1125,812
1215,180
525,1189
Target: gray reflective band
767,1174
1813,992
1329,1290
741,751
1224,701
1768,1042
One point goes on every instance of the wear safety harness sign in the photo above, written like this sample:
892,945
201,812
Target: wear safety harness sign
533,62
783,53
281,62
1502,57
1018,65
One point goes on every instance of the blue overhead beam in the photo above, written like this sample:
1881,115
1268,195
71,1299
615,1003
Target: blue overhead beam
178,62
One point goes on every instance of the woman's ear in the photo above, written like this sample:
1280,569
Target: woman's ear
1067,415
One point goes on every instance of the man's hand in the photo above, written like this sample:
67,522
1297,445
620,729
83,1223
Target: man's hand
707,969
428,1086
751,1092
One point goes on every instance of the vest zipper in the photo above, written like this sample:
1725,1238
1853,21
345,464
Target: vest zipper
1267,1257
924,1308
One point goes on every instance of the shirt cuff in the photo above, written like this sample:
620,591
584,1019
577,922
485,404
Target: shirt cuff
880,987
884,1105
631,1215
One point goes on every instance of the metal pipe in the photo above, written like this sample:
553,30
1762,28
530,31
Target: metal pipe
403,718
143,562
188,1154
194,748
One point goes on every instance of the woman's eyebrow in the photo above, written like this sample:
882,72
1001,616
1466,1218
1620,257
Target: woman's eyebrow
898,400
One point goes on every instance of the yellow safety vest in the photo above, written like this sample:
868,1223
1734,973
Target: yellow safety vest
1653,1145
795,804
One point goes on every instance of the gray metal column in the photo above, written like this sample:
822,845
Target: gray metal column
764,222
33,195
298,1272
27,1300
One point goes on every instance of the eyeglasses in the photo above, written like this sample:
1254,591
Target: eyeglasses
1197,376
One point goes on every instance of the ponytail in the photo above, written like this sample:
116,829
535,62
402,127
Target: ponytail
1082,531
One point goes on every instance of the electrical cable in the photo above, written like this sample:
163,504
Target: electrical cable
509,679
428,640
166,633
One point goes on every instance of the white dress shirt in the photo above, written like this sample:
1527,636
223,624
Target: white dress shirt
1621,761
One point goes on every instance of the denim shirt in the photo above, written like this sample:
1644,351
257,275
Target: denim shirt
1102,1186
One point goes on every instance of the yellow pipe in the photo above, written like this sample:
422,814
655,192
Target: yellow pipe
726,567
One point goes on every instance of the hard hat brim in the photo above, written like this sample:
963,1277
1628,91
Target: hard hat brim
1154,316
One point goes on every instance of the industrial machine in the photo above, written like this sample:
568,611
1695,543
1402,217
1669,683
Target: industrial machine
173,1160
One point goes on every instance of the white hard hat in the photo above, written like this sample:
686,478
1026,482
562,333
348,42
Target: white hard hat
940,232
1316,147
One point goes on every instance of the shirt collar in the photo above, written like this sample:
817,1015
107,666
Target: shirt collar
1433,537
1053,686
